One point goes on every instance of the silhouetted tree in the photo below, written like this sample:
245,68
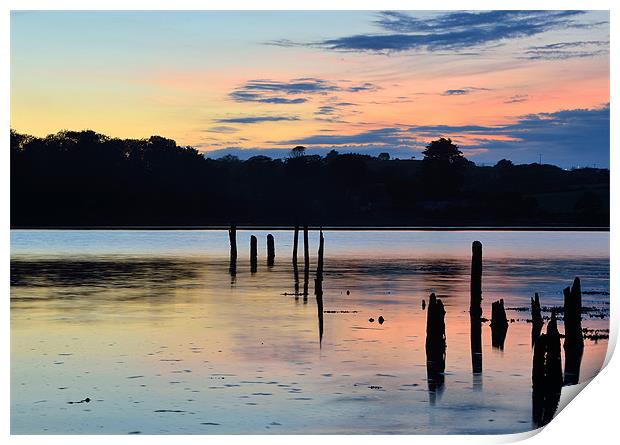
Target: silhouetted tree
332,154
298,152
504,163
384,156
445,152
443,168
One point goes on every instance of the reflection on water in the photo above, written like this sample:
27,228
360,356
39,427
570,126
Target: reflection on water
161,342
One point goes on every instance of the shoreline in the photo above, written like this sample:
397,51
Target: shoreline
336,228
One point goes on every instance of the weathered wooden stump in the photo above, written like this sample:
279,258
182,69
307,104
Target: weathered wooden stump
537,321
271,250
573,334
475,307
435,346
499,324
306,249
475,301
232,237
253,253
435,328
295,242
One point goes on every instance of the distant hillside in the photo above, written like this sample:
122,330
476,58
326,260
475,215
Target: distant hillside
88,179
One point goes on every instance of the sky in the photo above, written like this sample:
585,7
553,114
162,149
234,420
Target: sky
521,85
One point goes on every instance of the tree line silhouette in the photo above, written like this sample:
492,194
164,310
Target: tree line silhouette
83,178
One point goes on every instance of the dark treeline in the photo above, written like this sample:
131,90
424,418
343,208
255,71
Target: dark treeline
85,178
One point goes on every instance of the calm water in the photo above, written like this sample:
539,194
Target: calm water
152,328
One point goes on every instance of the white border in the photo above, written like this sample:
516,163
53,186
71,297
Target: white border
591,418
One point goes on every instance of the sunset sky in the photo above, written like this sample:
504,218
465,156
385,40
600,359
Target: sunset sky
502,84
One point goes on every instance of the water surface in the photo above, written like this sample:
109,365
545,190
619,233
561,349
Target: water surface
154,330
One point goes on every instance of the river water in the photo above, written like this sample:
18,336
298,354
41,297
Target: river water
154,330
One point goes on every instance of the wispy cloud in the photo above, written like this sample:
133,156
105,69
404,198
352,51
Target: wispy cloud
452,31
326,110
255,119
293,91
567,50
244,96
463,91
223,129
517,98
383,136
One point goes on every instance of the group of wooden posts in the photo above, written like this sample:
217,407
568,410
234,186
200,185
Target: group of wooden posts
271,255
547,376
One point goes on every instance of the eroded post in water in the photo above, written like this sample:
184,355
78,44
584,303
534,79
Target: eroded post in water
306,249
232,237
573,334
295,241
537,320
435,347
499,324
475,313
271,250
475,300
253,253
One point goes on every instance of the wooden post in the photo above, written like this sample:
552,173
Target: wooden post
475,302
537,321
306,251
475,312
573,335
435,327
435,346
253,253
232,236
295,240
499,324
271,250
